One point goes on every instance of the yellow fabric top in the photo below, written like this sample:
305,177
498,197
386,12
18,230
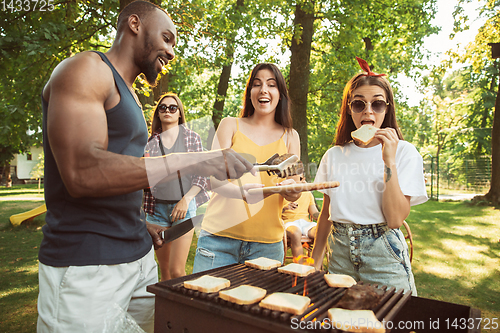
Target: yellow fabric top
302,210
234,218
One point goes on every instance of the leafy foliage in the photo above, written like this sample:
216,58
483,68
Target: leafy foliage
32,43
219,33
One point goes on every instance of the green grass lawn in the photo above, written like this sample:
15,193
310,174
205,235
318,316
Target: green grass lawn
456,259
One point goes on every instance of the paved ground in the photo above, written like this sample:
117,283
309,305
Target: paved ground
22,198
457,197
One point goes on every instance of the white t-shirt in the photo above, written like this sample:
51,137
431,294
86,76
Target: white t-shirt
360,172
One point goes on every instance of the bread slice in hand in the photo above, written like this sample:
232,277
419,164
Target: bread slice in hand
297,269
286,302
364,134
355,320
243,294
339,280
207,284
263,263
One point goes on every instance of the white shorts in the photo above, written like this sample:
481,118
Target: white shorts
84,298
302,224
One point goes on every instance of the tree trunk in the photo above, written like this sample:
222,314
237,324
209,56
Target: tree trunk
220,99
7,175
143,98
494,193
299,75
225,76
161,87
222,92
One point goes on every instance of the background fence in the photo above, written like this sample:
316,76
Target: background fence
469,175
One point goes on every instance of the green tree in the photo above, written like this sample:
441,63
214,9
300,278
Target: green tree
484,73
324,37
32,43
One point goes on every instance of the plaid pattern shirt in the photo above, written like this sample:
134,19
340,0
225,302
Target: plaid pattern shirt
192,142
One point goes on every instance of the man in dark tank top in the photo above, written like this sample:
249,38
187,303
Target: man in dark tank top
97,250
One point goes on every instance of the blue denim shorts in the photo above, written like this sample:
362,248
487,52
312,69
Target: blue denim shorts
215,251
371,253
162,213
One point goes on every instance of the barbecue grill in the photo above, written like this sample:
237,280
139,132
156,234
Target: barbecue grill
182,310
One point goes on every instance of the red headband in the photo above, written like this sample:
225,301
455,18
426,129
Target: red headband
364,66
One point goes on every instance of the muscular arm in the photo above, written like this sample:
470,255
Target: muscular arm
322,231
79,91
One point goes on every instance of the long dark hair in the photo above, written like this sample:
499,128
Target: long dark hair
156,122
346,124
282,115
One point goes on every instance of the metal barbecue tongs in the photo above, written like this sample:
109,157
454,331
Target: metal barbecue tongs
286,168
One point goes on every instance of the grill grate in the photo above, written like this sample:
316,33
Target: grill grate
323,297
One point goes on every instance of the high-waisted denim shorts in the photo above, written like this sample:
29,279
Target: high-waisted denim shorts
371,253
162,213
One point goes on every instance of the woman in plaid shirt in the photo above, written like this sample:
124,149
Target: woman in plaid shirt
171,203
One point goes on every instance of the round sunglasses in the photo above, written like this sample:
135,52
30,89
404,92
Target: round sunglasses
162,108
378,106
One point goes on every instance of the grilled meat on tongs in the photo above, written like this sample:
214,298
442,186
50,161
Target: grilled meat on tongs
282,166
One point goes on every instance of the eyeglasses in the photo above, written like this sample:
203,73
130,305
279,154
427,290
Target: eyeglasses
378,106
162,108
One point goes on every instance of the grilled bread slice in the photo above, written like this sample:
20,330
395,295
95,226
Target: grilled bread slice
297,269
364,134
243,294
207,284
339,280
355,320
286,302
263,263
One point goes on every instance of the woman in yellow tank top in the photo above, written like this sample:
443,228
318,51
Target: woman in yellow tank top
239,226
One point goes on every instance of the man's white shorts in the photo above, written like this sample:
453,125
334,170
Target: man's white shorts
302,224
82,298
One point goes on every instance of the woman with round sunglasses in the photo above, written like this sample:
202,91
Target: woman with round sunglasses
239,225
379,182
173,202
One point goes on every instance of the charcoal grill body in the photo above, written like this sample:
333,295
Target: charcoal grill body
438,316
181,310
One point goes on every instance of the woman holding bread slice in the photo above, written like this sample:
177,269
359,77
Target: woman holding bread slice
380,178
239,225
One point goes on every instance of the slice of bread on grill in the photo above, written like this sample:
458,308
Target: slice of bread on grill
364,134
355,320
297,269
339,280
263,263
243,294
286,302
207,284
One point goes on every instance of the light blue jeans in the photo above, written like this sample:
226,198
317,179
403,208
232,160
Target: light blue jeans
162,213
216,251
371,253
